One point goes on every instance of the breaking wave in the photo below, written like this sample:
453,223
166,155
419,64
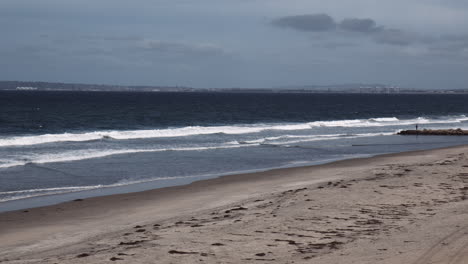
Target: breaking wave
287,139
78,155
229,130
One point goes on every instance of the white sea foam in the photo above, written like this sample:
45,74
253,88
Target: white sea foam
77,155
22,194
384,119
393,121
331,138
141,134
288,139
231,129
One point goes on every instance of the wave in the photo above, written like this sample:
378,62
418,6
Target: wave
229,130
392,121
286,143
23,194
78,155
286,139
141,134
383,119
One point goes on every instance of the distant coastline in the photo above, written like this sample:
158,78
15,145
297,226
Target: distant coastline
319,89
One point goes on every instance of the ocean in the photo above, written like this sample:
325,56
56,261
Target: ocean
59,146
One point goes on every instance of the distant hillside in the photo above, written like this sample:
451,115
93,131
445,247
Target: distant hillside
48,86
340,88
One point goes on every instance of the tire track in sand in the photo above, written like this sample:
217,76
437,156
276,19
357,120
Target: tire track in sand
452,249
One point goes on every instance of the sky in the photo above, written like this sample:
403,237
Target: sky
236,43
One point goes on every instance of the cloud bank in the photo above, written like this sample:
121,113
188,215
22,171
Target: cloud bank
313,23
379,34
365,25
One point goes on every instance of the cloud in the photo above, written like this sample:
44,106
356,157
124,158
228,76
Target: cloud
324,22
452,42
456,38
437,44
181,49
337,44
105,44
312,23
366,25
112,38
396,37
368,28
450,45
122,50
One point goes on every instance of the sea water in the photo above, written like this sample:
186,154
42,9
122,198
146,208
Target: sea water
57,146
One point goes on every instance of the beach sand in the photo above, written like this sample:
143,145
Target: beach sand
400,208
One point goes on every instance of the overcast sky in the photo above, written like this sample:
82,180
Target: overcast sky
236,43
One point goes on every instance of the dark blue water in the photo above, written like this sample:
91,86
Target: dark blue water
92,142
56,112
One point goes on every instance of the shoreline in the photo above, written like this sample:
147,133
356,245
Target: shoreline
149,185
51,199
102,218
153,184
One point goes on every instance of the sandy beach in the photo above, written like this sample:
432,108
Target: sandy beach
401,208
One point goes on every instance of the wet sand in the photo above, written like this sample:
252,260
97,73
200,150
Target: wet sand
401,208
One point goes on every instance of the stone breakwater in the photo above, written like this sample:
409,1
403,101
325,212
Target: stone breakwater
435,132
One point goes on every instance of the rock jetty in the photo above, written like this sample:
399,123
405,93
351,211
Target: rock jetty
435,132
